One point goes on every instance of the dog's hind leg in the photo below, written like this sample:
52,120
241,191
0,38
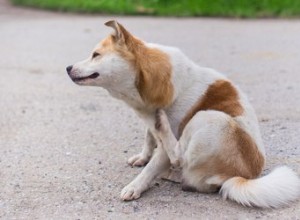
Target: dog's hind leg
143,158
167,139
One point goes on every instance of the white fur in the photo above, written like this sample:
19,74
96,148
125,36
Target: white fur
117,76
276,189
190,82
203,136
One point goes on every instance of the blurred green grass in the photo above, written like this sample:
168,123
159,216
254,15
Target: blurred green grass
208,8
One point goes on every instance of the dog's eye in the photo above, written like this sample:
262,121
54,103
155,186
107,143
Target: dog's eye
95,54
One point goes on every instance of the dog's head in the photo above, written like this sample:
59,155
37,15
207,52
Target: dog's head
127,68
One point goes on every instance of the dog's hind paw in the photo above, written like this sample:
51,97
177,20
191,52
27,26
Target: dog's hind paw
138,160
161,121
130,192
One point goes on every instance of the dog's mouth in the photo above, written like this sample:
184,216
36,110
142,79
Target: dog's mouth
79,79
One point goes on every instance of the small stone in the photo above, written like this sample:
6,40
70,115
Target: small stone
264,120
136,208
111,209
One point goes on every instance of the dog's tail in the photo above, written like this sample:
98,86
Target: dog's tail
276,189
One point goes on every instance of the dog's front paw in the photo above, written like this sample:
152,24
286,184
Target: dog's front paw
130,192
138,160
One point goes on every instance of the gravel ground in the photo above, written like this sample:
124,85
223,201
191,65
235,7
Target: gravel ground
63,148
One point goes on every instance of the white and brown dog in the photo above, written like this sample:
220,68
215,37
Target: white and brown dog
196,117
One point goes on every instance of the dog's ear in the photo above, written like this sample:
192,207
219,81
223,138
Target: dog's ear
118,32
123,37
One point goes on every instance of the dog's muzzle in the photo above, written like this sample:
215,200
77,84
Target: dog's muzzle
77,79
93,76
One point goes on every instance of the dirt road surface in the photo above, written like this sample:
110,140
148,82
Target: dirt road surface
63,148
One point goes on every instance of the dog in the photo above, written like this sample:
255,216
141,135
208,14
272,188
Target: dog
196,118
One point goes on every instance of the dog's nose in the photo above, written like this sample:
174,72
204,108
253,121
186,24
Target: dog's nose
69,68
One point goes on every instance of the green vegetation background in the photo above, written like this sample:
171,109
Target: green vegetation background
216,8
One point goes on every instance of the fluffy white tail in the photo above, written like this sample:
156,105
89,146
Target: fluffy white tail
276,189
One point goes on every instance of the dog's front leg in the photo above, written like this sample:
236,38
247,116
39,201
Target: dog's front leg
158,164
143,158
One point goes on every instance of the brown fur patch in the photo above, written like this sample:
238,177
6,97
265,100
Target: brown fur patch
241,181
220,96
239,156
153,80
249,152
